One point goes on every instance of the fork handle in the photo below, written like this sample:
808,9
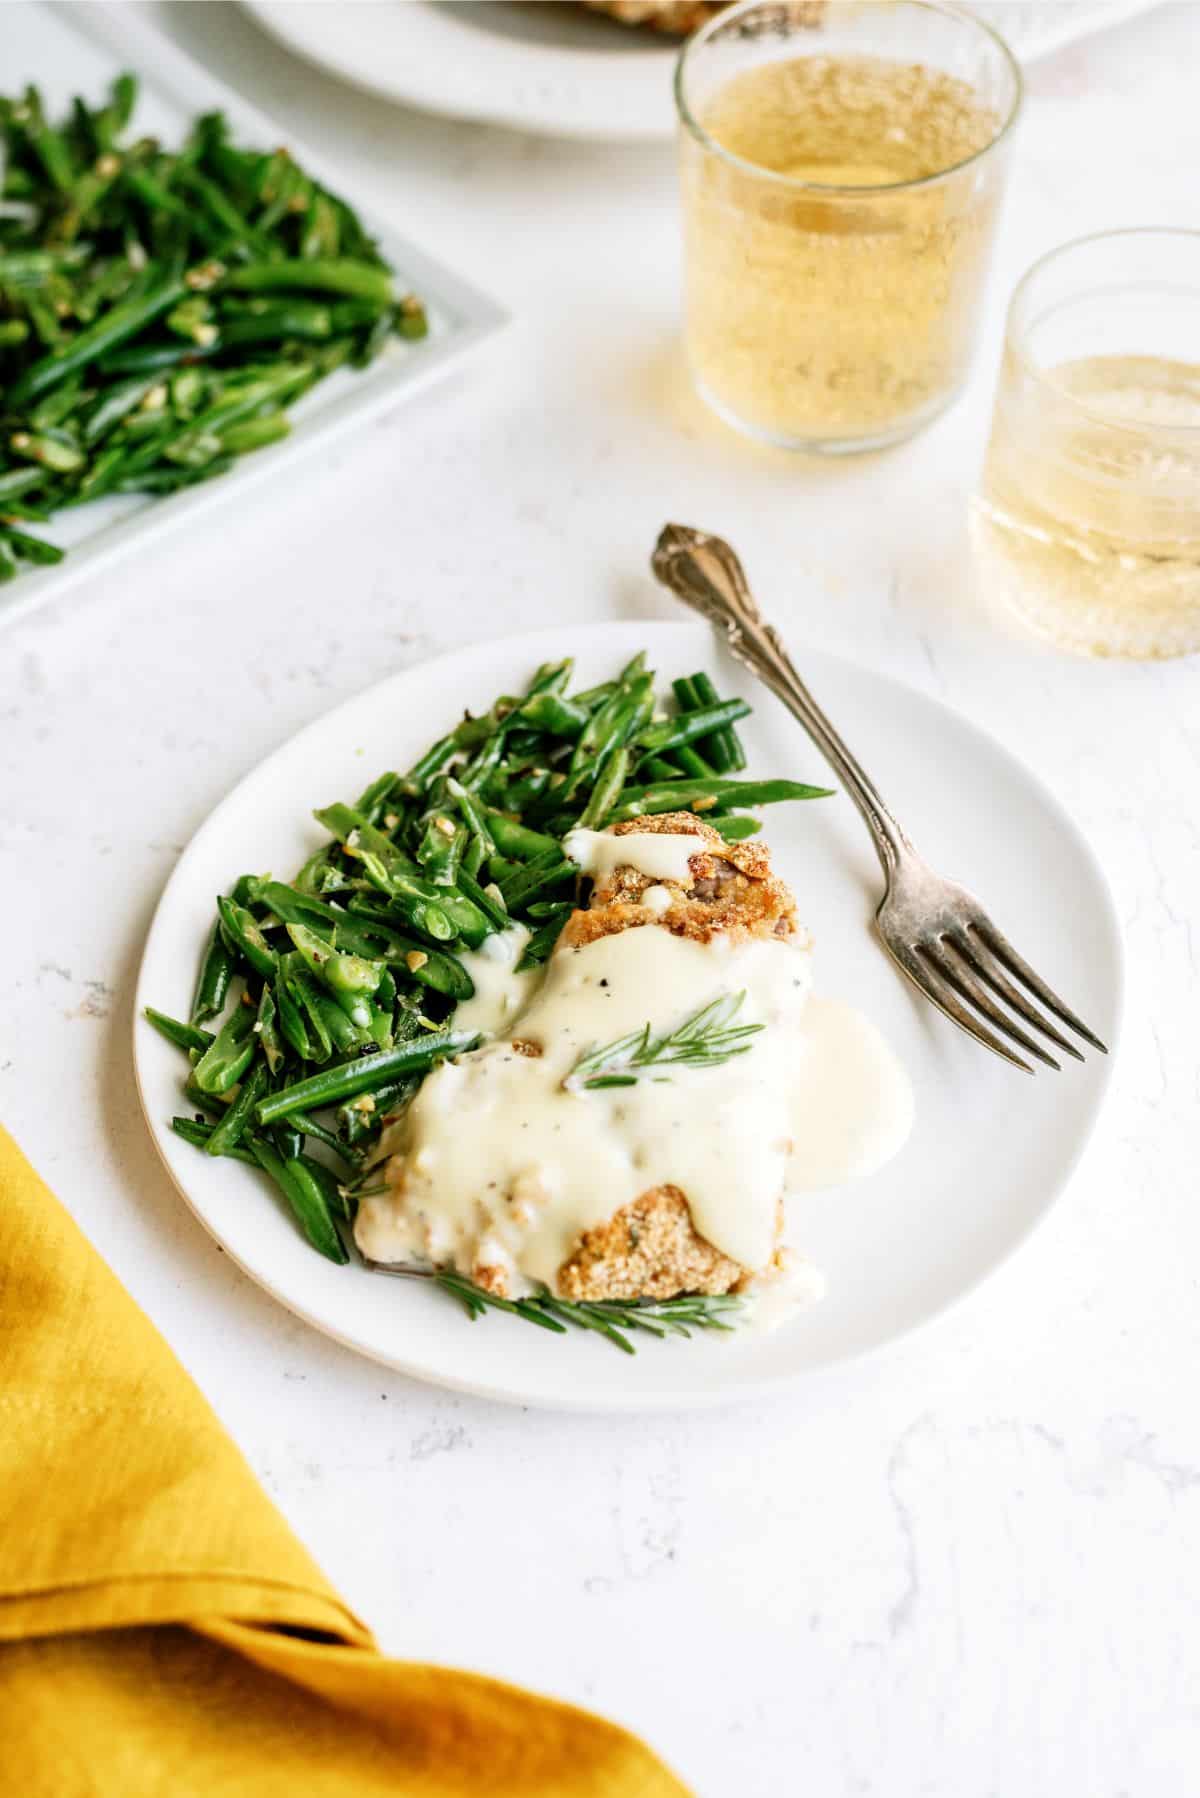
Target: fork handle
702,570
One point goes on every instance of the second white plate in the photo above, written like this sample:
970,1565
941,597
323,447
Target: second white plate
991,1148
562,70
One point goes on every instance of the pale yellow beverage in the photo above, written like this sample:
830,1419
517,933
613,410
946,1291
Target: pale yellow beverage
1087,519
1088,516
837,224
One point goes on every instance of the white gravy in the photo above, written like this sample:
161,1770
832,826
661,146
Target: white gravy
852,1101
500,992
661,855
499,1163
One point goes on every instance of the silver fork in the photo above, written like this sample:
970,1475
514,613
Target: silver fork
936,931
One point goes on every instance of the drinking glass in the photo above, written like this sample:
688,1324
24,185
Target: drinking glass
841,167
1088,517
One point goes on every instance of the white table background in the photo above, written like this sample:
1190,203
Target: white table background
968,1569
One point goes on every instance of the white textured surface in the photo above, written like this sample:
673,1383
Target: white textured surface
970,1569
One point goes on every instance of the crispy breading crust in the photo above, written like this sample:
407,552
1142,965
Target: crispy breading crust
683,16
733,892
651,1248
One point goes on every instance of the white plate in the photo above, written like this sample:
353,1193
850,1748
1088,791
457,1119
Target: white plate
68,49
991,1147
561,70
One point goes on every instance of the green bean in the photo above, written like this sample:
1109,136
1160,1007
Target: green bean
184,1036
115,405
223,213
370,804
152,193
551,713
232,1127
350,978
55,450
244,937
364,1075
541,944
431,763
483,764
521,793
255,434
736,827
200,1134
702,796
724,747
517,840
551,677
293,1023
409,907
495,914
316,870
156,358
338,928
690,762
304,991
15,481
434,967
345,1036
440,849
32,549
658,739
334,1193
116,326
216,972
592,697
305,1197
267,1032
607,790
287,1140
361,280
472,816
228,1055
544,871
309,1126
359,1119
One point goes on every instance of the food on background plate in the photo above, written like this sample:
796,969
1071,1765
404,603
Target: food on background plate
683,16
161,310
560,1003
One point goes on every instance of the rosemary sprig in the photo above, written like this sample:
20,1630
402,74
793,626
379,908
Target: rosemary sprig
608,1317
705,1040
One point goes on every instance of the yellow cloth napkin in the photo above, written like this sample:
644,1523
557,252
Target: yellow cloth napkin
161,1629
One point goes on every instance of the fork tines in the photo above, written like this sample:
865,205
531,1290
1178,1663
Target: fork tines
966,969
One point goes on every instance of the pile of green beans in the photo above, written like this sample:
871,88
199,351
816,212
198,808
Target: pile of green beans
323,1002
161,309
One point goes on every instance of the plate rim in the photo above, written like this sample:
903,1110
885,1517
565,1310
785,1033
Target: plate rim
655,1399
499,110
1066,23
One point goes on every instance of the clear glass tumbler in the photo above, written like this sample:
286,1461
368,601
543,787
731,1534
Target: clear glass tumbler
1088,518
841,165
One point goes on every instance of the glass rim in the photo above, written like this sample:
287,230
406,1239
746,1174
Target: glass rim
792,183
1014,335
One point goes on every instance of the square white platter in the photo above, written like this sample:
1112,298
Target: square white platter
67,49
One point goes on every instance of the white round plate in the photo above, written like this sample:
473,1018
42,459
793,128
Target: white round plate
991,1147
560,71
